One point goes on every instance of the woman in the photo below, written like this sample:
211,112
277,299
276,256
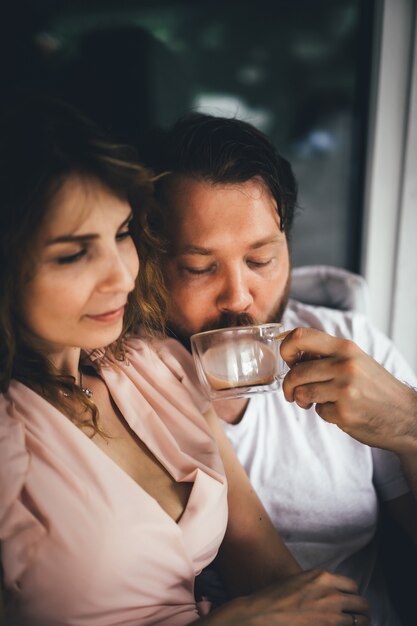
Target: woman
113,491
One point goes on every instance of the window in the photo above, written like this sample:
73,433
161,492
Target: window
297,69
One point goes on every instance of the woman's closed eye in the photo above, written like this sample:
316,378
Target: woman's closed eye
66,259
71,258
125,233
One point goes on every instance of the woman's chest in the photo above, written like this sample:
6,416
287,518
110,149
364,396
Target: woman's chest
121,444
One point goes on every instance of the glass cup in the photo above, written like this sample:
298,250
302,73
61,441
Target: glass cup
240,361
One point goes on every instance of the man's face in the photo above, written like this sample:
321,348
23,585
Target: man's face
229,261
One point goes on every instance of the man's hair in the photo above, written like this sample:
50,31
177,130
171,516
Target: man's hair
224,151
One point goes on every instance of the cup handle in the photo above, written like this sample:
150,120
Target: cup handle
285,368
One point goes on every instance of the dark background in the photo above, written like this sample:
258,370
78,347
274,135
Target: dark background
297,69
300,70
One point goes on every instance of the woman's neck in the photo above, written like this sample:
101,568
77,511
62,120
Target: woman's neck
66,361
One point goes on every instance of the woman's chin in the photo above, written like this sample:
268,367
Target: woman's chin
103,337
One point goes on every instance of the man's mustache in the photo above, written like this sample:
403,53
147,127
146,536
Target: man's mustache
227,320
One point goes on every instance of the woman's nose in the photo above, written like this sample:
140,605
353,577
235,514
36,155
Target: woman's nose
119,274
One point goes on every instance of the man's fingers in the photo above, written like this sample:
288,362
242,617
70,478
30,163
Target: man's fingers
307,395
355,604
328,412
309,372
339,582
348,602
301,340
313,597
327,579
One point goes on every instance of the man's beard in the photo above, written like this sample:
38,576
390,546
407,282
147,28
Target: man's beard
227,320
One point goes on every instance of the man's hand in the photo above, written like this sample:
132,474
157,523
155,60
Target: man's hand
312,597
350,389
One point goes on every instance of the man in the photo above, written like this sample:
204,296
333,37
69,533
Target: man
228,203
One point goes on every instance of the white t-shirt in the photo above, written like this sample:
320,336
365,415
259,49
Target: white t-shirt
319,485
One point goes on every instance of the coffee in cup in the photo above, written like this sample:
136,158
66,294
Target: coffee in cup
239,361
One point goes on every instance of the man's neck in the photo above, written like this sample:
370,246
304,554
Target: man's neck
231,411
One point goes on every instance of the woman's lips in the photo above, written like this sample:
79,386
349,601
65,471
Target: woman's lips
110,316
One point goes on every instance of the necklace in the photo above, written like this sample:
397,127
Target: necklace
86,390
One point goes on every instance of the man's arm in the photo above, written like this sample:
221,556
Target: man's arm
252,554
304,599
350,389
268,583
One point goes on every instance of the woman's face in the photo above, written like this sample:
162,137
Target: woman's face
85,266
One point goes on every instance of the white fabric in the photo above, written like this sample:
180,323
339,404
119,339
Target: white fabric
318,484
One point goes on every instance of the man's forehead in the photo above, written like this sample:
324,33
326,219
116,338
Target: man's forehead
177,184
201,214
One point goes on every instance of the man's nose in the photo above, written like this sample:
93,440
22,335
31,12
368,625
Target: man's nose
235,296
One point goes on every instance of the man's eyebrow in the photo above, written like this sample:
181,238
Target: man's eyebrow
264,242
82,238
194,250
209,251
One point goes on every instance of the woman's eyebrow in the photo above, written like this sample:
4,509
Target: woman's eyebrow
127,220
71,238
85,237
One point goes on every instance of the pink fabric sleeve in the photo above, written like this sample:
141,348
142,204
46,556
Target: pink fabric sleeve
20,531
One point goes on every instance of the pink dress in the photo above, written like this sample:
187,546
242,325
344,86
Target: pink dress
82,543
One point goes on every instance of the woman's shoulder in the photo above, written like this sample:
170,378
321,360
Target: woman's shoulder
158,345
171,356
13,453
21,529
21,411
